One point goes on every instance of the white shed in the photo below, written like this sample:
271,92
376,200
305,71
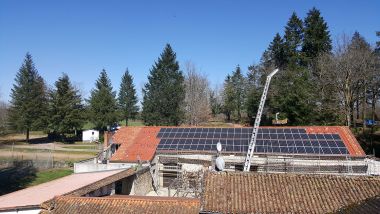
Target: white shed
90,135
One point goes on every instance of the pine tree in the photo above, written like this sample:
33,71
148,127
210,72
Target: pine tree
293,39
291,95
238,84
228,98
127,98
316,36
29,100
277,52
253,91
66,109
164,93
103,104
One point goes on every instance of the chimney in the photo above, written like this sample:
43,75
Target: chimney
105,144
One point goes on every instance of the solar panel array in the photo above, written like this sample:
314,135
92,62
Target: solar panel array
236,140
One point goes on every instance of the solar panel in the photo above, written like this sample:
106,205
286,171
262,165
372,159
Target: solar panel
236,140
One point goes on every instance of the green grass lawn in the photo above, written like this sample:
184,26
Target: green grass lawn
49,175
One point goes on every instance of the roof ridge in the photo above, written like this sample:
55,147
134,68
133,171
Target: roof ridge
353,177
131,198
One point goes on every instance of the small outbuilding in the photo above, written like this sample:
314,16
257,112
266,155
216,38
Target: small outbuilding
90,135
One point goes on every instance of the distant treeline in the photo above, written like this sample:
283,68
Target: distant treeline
318,84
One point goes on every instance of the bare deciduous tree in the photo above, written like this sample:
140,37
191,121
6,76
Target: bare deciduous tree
197,103
3,117
350,69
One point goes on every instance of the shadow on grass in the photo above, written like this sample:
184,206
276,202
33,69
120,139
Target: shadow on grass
44,140
16,177
40,140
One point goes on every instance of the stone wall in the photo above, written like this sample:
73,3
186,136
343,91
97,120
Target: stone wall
138,184
142,183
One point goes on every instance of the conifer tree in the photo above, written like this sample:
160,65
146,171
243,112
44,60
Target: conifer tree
127,98
66,109
164,93
277,52
103,104
293,39
291,95
238,84
254,89
316,36
228,98
28,99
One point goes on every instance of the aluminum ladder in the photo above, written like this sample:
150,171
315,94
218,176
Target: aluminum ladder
252,142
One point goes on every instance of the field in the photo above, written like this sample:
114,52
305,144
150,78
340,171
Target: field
26,164
14,147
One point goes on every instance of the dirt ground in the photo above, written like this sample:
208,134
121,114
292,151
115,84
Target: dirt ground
43,155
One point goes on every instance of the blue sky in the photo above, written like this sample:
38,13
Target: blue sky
81,38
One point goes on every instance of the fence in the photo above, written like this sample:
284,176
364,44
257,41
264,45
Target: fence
317,166
36,163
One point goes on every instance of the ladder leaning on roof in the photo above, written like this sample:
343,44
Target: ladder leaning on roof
252,143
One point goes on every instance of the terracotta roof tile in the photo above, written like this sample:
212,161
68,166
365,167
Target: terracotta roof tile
126,135
142,148
284,193
126,204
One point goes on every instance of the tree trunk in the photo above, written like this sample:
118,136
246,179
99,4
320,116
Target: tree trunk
351,112
126,121
373,105
27,135
357,109
355,119
348,118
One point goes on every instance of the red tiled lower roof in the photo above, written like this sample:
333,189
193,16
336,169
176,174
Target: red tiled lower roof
240,192
122,204
142,148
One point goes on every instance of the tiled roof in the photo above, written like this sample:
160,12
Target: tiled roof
122,204
142,148
284,193
37,194
140,143
126,135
